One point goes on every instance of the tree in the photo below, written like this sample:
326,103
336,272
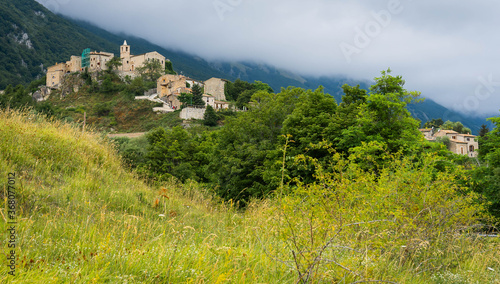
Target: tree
169,68
486,179
186,99
384,117
244,98
108,87
210,117
341,130
484,130
197,92
137,87
15,97
436,123
151,70
456,126
233,90
238,166
170,153
86,76
113,64
305,127
242,91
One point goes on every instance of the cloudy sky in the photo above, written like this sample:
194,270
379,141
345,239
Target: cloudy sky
448,50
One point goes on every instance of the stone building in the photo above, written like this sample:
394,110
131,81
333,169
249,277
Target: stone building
215,87
55,74
169,87
97,62
130,62
462,144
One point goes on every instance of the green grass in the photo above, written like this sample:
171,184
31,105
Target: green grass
83,218
121,114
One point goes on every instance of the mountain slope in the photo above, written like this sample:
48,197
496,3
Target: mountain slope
32,38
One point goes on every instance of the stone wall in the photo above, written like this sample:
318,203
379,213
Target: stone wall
215,87
192,113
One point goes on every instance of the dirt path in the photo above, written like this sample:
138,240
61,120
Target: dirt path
129,135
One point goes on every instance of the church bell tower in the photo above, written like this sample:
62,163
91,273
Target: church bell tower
125,50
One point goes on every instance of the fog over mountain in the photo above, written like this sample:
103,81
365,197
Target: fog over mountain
448,50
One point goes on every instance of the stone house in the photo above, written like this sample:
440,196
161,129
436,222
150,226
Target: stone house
169,87
98,60
220,105
215,87
462,144
55,74
428,133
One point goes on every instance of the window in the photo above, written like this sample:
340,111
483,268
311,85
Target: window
468,139
471,148
462,150
453,137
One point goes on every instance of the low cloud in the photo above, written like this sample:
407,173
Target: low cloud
446,49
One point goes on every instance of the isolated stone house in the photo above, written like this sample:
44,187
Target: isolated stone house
462,144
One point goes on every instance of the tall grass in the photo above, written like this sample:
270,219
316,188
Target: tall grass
84,219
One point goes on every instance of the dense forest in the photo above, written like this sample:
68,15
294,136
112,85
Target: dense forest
290,138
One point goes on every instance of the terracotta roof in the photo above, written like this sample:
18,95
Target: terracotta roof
449,131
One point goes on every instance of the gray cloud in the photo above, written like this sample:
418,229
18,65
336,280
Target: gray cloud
446,49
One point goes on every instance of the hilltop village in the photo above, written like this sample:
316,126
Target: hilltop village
169,87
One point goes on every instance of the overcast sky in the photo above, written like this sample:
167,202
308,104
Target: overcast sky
448,50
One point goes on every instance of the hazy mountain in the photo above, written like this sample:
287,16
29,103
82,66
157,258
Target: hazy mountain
32,38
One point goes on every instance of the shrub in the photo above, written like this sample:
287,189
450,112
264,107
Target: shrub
351,219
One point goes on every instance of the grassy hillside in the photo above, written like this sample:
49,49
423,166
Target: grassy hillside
81,218
111,113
